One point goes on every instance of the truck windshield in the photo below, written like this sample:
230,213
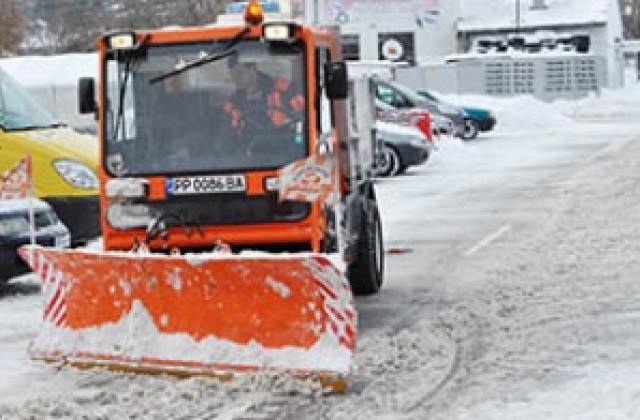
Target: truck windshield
244,110
18,111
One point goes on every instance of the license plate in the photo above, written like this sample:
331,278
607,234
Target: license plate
206,184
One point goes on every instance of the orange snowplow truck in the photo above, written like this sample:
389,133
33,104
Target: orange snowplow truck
234,234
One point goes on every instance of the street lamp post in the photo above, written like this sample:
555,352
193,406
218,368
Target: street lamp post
517,16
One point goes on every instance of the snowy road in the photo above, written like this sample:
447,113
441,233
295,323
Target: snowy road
511,293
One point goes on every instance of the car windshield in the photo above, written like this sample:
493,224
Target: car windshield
18,111
163,118
429,95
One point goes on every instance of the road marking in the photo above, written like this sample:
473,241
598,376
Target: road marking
608,149
487,240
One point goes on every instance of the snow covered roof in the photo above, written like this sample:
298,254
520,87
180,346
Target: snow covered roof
475,15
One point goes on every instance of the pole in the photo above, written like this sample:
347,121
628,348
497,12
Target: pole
517,16
31,193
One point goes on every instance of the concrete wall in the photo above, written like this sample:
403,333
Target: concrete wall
565,76
433,22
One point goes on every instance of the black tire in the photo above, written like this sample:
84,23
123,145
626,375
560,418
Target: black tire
365,272
389,162
471,130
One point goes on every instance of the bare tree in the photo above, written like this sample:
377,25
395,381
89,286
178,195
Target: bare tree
74,29
12,26
149,14
631,18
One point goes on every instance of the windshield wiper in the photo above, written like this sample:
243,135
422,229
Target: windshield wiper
227,50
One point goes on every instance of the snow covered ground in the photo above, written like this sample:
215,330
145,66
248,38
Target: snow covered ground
516,296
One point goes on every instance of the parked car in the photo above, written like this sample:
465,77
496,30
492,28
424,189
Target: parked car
414,117
441,125
15,231
399,96
477,120
399,147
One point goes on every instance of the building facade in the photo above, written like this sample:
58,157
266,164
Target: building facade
413,31
546,26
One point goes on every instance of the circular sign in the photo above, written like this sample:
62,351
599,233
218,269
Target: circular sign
392,49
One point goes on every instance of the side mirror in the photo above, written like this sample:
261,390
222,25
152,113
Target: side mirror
87,96
336,81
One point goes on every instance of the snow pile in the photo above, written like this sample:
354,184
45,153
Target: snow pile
395,374
521,113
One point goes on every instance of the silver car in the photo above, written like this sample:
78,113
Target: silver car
398,147
399,96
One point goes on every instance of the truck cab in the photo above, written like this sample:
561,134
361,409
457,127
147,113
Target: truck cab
172,158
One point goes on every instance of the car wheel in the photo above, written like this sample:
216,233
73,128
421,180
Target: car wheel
388,162
471,130
365,272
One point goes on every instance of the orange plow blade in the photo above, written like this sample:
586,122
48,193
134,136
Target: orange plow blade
211,314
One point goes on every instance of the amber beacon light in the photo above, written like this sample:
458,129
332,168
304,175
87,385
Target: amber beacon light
253,14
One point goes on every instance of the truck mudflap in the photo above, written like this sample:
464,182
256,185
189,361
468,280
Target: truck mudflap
196,314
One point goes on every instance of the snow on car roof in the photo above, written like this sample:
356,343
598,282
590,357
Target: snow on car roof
393,128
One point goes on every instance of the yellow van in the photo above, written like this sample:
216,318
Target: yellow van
64,162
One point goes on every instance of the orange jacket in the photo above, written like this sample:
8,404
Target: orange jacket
278,107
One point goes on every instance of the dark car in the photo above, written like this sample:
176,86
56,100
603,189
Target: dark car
399,147
477,120
399,96
15,231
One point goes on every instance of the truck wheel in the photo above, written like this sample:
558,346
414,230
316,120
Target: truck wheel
365,272
471,130
402,169
388,163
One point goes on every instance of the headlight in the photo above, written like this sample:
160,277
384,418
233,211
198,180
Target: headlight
77,174
129,216
13,225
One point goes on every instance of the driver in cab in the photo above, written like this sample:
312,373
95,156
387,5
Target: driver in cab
260,102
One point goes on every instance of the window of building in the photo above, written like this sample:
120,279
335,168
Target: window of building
350,47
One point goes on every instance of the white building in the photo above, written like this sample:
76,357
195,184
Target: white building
598,21
398,30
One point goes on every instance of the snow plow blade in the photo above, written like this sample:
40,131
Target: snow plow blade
202,314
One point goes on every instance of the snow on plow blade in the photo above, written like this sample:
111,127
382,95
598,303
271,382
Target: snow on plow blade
203,314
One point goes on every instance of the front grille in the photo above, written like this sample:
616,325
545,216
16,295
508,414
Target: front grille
228,209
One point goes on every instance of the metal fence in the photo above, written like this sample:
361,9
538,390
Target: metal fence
547,77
